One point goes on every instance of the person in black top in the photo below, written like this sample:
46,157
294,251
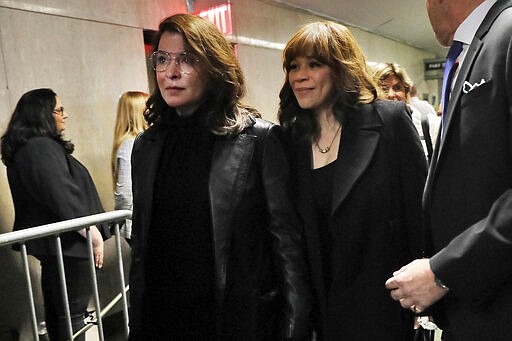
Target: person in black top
49,185
216,245
359,174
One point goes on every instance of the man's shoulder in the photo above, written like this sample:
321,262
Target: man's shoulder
498,21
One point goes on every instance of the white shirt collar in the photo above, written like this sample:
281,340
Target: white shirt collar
467,29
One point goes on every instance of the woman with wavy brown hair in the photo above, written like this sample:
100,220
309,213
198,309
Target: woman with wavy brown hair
359,174
216,247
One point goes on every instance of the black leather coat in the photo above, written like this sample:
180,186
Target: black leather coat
260,272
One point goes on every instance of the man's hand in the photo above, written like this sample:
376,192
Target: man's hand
414,286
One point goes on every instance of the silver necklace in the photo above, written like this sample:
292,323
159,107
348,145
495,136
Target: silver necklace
327,149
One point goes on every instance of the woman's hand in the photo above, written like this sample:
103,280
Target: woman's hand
97,246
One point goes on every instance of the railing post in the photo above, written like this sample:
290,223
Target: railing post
64,292
120,267
94,284
53,230
30,292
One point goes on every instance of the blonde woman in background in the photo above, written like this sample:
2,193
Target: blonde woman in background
396,85
129,122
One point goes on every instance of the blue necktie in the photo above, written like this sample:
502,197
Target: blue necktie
449,70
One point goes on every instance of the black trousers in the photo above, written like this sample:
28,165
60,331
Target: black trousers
168,318
79,293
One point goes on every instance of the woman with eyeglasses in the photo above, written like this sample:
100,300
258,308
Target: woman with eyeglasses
49,185
216,245
396,85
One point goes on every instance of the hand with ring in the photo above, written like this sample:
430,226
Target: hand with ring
414,286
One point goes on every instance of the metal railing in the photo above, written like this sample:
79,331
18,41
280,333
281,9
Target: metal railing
55,230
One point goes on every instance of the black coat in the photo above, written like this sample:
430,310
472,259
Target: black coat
375,222
252,218
468,197
49,185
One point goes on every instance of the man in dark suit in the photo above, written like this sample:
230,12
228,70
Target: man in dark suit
468,197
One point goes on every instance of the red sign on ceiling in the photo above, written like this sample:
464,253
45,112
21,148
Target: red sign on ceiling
220,16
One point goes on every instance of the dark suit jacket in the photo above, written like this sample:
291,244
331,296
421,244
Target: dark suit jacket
49,185
375,222
256,239
468,197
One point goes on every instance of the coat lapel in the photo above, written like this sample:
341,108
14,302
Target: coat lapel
358,143
146,156
231,161
303,157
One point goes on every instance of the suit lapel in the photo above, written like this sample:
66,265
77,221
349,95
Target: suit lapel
469,60
358,143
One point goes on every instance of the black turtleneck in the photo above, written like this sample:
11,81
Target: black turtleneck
180,262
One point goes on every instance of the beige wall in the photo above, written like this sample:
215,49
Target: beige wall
271,25
91,51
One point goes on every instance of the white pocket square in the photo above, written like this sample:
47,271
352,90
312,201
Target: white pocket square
468,87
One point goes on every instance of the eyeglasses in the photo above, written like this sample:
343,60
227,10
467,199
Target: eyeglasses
185,61
59,111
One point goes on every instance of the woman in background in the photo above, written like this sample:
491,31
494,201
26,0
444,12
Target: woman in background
49,185
216,246
129,123
396,85
360,173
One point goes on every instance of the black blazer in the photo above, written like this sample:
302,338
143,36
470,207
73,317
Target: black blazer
375,221
252,218
49,185
468,197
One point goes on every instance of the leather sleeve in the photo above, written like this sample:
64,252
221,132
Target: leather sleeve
288,243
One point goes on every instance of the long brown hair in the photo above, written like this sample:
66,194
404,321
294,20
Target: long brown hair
226,83
334,45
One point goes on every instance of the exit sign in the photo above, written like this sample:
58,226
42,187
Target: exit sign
220,16
434,68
